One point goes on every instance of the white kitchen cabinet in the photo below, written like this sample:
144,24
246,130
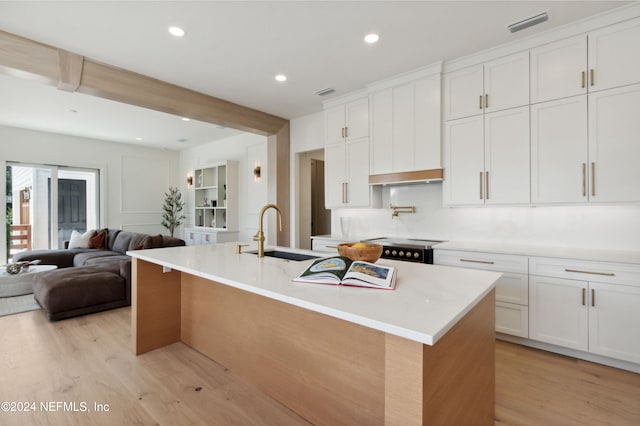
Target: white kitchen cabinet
614,56
347,122
512,288
493,86
405,127
589,306
603,59
614,148
487,159
347,174
559,151
558,312
559,69
347,155
326,245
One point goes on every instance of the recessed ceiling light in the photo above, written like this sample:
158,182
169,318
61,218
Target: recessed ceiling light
138,139
371,38
176,31
281,77
186,119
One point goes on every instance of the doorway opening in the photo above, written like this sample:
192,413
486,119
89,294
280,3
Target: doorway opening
314,218
46,203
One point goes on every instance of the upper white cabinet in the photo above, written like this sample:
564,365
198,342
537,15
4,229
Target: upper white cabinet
347,155
614,55
602,59
405,127
559,69
493,86
584,148
346,122
559,151
614,148
487,159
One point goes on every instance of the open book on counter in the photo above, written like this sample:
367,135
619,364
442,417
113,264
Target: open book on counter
339,270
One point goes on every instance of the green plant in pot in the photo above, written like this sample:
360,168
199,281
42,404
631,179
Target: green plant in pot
172,216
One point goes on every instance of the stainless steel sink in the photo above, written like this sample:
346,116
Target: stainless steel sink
286,255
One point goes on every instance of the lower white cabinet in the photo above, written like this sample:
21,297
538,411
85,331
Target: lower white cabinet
325,245
200,235
512,288
597,312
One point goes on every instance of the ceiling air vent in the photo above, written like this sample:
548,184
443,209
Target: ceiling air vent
325,92
529,22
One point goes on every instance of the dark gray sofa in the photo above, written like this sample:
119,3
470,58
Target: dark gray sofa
90,280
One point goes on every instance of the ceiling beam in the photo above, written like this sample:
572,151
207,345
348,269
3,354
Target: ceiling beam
24,58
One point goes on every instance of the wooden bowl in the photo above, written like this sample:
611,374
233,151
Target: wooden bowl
363,251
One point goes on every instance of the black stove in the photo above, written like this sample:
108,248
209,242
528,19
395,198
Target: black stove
406,249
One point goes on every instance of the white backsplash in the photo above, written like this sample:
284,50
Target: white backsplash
586,226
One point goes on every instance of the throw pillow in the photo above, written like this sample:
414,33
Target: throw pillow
153,241
98,241
139,247
79,240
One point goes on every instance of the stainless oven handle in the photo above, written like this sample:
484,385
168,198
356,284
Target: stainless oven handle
486,262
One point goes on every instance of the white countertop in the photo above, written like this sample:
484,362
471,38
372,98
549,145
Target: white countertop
427,302
619,256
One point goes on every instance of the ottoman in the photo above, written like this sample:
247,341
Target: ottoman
69,292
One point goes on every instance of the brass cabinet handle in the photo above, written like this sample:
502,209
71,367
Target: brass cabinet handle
480,101
346,132
584,179
584,79
592,76
486,179
486,262
346,192
481,196
593,178
584,294
486,101
343,133
335,247
579,271
593,297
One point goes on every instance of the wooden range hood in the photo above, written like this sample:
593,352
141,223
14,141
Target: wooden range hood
433,175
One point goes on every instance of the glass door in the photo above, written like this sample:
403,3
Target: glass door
46,203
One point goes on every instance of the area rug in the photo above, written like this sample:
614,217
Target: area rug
15,304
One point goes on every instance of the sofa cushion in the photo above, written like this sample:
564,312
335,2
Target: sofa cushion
171,241
79,240
122,241
108,261
63,258
111,237
153,241
63,293
83,259
98,241
137,240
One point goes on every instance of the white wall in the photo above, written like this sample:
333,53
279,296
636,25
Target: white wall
246,148
591,226
127,171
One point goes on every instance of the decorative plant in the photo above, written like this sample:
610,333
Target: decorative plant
172,216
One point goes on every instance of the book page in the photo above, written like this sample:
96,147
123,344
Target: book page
369,275
330,270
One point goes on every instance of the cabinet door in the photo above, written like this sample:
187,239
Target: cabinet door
559,151
335,175
512,319
428,144
357,119
614,145
506,82
357,188
506,161
381,131
334,119
614,55
464,162
559,69
558,312
614,321
513,288
463,93
403,128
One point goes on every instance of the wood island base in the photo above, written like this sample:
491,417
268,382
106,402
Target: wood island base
330,371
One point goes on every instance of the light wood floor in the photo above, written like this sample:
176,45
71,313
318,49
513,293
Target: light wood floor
89,360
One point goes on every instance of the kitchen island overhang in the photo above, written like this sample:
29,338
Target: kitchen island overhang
333,354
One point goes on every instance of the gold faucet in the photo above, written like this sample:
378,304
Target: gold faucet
259,237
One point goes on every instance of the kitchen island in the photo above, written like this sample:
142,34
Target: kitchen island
421,354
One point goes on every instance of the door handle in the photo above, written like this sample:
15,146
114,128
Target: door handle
584,179
592,76
593,297
584,296
480,101
593,178
584,79
486,101
481,196
486,186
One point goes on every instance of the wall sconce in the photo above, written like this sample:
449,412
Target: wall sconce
257,172
190,180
